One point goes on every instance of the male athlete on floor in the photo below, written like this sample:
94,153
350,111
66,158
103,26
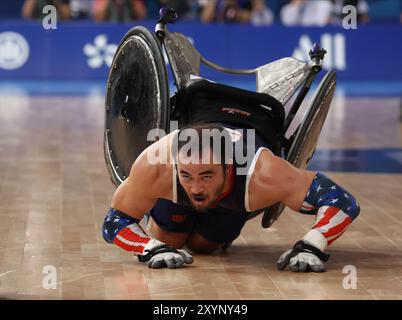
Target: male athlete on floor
200,199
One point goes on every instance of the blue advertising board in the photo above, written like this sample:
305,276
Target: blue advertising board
84,50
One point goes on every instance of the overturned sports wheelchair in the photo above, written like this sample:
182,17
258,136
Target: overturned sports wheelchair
138,99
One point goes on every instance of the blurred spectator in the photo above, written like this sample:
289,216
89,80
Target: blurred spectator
307,13
225,11
80,9
33,9
261,14
118,10
361,8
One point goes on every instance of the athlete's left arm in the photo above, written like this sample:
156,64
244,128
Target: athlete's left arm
309,193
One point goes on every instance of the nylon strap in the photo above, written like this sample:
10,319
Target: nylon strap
302,246
156,250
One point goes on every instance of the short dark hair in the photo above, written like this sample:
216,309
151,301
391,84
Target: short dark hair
218,137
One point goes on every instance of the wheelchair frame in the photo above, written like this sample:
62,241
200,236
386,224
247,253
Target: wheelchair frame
280,79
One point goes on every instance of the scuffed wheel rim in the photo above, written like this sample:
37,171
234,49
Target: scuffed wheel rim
137,101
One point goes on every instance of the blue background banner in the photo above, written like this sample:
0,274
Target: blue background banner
84,50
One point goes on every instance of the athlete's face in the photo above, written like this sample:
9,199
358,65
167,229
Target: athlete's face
203,183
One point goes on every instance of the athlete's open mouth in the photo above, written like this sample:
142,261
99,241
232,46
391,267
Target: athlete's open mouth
199,198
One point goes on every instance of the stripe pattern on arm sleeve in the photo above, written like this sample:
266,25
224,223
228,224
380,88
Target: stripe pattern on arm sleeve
124,231
334,207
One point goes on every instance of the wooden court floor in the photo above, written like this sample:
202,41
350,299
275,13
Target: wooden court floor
55,190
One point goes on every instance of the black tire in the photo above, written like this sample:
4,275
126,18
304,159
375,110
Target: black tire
306,138
118,146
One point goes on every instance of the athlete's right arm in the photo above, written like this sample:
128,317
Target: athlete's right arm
132,199
138,193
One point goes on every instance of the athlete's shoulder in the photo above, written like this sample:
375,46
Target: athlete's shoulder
153,167
265,162
158,154
270,180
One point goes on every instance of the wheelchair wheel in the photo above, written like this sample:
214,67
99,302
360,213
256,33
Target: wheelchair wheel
305,142
306,138
137,100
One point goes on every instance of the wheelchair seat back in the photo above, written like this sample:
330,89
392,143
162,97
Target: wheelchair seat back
206,101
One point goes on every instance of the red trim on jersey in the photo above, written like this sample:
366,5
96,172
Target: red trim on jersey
231,177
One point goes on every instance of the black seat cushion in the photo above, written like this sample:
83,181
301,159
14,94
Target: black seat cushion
206,101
